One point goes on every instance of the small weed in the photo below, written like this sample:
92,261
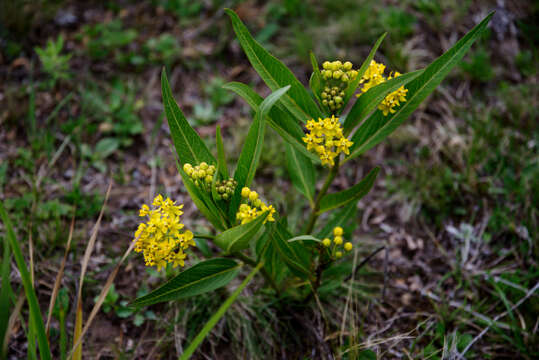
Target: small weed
55,65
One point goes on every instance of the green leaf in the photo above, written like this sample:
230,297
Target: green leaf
5,295
266,252
189,146
201,278
356,192
238,237
275,74
252,149
218,315
345,218
377,127
302,172
315,82
221,159
351,89
368,101
36,321
293,253
278,119
308,238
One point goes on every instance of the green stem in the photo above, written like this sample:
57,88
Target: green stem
246,259
314,214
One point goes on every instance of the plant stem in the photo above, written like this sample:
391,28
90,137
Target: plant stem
314,214
204,236
246,259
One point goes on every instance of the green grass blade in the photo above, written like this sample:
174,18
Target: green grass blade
302,172
356,192
201,278
189,146
378,126
5,295
238,237
35,313
368,101
275,74
218,315
278,119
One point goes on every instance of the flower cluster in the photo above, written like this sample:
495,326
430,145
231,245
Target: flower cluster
338,71
248,212
337,76
202,174
326,138
160,238
374,76
225,189
337,242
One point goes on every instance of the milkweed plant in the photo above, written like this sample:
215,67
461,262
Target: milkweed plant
346,111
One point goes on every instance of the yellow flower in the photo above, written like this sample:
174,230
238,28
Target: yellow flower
348,246
326,138
375,76
160,239
247,213
337,231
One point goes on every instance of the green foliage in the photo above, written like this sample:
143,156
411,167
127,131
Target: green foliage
199,279
55,65
116,109
109,39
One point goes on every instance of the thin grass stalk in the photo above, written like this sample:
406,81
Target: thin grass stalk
77,336
60,274
36,320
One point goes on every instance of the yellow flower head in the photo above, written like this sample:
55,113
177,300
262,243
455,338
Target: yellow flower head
326,138
375,76
160,239
248,212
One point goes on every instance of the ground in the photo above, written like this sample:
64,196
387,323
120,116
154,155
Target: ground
454,208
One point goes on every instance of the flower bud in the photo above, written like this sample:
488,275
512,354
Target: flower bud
338,240
208,179
326,65
253,196
348,246
245,192
337,231
347,65
338,254
203,165
326,242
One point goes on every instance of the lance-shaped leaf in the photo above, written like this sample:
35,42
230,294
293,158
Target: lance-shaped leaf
345,218
277,118
351,89
356,192
377,127
294,254
315,82
302,172
221,158
275,74
189,146
266,252
252,148
238,237
305,238
203,277
368,101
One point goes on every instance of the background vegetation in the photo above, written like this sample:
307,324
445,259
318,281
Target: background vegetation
455,206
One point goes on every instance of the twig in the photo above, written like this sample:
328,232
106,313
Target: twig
480,335
366,260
